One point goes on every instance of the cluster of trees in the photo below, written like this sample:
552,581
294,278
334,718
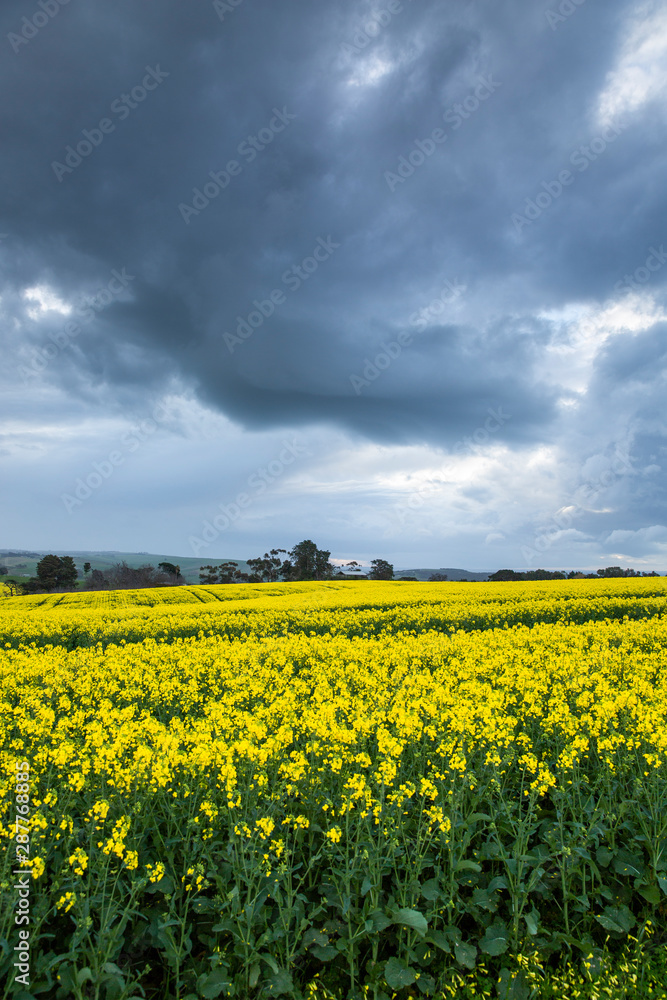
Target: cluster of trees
59,574
304,562
546,574
124,577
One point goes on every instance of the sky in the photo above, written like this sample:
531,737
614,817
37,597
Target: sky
390,276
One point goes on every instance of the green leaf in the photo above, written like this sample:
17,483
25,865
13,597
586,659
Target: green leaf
470,866
380,920
254,975
325,952
398,974
280,982
604,856
112,969
662,882
83,976
313,936
532,921
440,940
628,864
426,984
495,941
466,954
212,986
366,886
485,899
165,885
431,890
411,918
271,962
651,894
616,918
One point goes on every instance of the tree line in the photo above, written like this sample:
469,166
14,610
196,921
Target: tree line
59,574
503,575
305,561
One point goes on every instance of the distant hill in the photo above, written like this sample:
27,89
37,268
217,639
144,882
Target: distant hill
23,563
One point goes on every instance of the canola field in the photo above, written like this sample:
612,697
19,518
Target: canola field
336,790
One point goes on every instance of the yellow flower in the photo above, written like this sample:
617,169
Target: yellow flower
155,872
266,826
67,901
38,867
79,861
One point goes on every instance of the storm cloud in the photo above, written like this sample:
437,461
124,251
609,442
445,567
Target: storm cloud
367,225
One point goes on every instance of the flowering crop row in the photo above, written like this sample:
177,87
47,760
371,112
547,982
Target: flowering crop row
362,609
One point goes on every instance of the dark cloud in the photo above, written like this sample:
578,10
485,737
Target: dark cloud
318,125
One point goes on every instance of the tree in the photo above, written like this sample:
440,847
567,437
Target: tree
14,587
53,573
438,578
269,567
307,562
227,572
97,581
86,567
4,570
208,574
381,570
504,575
124,577
171,569
543,574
